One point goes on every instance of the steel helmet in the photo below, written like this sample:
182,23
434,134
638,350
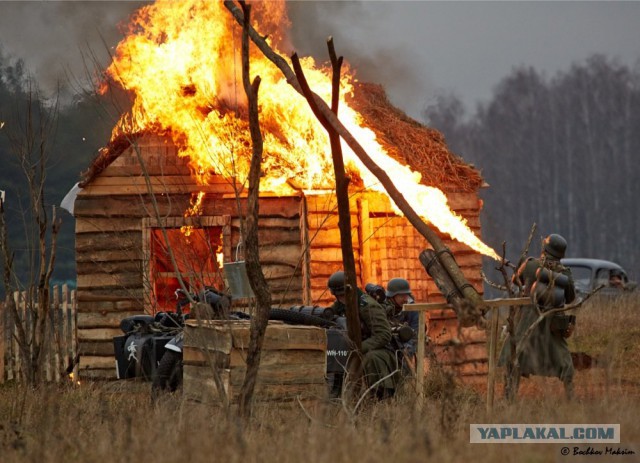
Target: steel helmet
554,246
336,283
397,286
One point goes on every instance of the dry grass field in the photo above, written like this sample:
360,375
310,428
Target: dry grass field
115,422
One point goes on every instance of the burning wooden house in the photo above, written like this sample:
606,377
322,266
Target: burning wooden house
166,199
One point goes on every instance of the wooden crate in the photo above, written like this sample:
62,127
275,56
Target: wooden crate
293,361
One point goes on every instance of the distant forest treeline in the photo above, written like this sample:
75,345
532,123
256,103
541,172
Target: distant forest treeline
83,126
560,151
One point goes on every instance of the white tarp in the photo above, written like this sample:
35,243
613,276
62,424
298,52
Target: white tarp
69,201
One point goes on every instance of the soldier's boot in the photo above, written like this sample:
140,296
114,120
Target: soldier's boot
336,385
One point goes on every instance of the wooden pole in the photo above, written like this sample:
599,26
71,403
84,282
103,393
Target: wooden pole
420,357
342,194
493,347
254,270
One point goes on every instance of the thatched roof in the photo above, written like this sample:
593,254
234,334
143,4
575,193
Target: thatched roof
408,141
420,147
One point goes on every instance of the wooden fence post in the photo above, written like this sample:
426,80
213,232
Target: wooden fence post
59,349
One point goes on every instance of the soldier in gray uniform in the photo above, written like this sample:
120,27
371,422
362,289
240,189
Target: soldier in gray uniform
550,285
398,294
379,359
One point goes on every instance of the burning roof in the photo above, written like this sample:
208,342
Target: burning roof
411,143
180,63
405,139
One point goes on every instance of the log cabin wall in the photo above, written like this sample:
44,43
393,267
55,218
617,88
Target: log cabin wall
299,239
114,214
391,245
325,251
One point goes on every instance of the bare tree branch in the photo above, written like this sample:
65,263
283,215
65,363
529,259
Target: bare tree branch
254,270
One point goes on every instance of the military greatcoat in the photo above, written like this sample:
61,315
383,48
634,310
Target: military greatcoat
379,359
546,353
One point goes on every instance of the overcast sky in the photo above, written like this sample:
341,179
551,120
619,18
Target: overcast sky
415,49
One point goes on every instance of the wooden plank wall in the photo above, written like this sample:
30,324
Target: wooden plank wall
60,347
292,366
393,245
325,252
112,272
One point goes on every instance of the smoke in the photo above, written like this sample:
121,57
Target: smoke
374,55
61,42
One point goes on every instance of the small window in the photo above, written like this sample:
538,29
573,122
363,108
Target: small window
602,277
581,277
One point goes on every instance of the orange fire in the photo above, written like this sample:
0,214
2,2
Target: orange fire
182,62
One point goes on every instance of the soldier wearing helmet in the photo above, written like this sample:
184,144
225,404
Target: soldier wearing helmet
379,361
550,285
397,295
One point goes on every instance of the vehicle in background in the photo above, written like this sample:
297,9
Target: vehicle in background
588,274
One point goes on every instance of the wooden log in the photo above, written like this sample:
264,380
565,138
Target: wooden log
114,305
109,267
237,358
88,362
135,294
155,181
123,241
98,334
115,255
271,236
329,254
159,187
97,348
103,319
128,206
105,280
175,204
276,271
102,225
135,170
288,254
222,335
286,285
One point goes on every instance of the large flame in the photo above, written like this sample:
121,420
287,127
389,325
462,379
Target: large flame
181,60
